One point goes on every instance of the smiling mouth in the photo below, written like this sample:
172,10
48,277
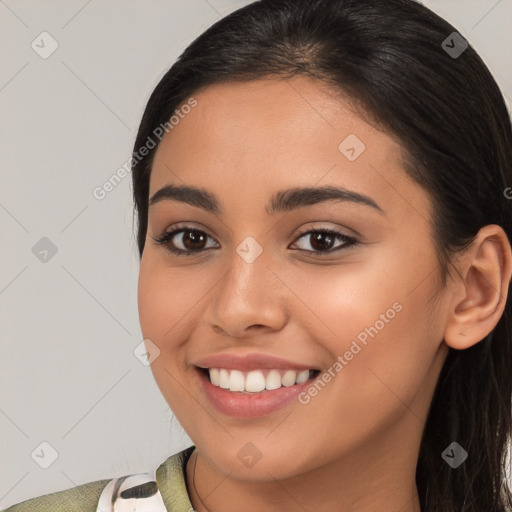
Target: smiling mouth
256,381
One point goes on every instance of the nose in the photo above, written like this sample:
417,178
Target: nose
249,300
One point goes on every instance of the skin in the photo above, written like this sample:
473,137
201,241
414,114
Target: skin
354,447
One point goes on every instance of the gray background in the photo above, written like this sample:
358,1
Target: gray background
69,324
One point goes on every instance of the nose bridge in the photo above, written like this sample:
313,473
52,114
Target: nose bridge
246,294
247,276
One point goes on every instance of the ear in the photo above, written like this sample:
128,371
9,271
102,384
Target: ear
479,298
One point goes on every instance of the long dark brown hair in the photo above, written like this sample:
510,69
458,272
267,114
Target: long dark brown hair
395,60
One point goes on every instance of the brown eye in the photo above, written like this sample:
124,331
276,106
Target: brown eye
193,240
184,241
189,241
322,241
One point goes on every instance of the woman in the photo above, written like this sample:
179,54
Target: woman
324,225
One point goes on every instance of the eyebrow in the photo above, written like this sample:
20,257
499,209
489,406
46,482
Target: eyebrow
282,201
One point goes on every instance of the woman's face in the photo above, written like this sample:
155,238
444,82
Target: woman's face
260,281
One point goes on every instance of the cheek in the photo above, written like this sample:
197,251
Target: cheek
170,302
382,380
373,316
155,301
167,298
162,309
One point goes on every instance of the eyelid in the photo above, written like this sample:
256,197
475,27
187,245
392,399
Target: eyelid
349,242
169,233
185,227
337,230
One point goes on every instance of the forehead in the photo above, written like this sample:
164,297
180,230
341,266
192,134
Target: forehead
272,134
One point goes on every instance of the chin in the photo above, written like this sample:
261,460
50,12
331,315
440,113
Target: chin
260,461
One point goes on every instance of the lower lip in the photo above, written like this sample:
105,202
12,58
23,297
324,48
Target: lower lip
250,405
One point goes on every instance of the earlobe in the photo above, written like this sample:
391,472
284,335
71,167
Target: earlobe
479,298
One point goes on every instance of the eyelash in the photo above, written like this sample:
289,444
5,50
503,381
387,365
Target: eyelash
349,242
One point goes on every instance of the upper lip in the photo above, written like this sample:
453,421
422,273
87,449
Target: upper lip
249,362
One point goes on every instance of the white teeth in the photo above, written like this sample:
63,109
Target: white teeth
224,379
255,380
288,379
214,376
273,380
302,377
236,381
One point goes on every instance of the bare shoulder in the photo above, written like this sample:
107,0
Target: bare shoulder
82,498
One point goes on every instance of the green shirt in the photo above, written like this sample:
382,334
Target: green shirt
170,479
